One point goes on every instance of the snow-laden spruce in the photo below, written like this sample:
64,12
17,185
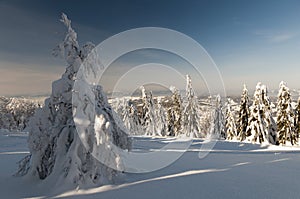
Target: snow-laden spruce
131,118
57,154
160,118
148,114
297,119
191,118
267,116
217,129
285,116
207,112
174,113
244,114
231,131
261,124
256,129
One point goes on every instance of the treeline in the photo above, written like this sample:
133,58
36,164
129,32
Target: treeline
15,112
176,114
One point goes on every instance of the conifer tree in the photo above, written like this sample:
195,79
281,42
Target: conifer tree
160,117
231,131
191,118
244,114
148,115
176,111
285,116
218,126
256,129
131,119
57,153
170,122
269,121
297,119
261,127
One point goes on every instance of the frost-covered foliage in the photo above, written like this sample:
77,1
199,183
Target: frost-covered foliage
244,114
285,116
231,131
191,118
57,154
15,112
218,127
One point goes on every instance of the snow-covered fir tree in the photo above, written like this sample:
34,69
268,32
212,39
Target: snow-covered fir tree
126,114
176,112
269,121
120,106
170,122
206,115
57,154
285,116
261,127
244,114
160,118
131,119
148,115
217,129
205,121
231,131
191,118
297,119
256,129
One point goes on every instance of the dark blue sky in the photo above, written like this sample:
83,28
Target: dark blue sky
250,41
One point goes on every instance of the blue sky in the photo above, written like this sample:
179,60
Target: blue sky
249,41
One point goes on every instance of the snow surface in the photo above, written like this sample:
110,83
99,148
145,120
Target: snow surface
230,170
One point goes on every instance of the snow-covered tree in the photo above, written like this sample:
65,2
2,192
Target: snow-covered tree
244,114
261,127
217,129
269,121
231,131
160,118
176,111
297,119
131,119
148,115
191,118
285,116
205,121
120,106
256,129
57,154
206,114
170,122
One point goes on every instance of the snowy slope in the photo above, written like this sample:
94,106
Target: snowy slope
231,170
